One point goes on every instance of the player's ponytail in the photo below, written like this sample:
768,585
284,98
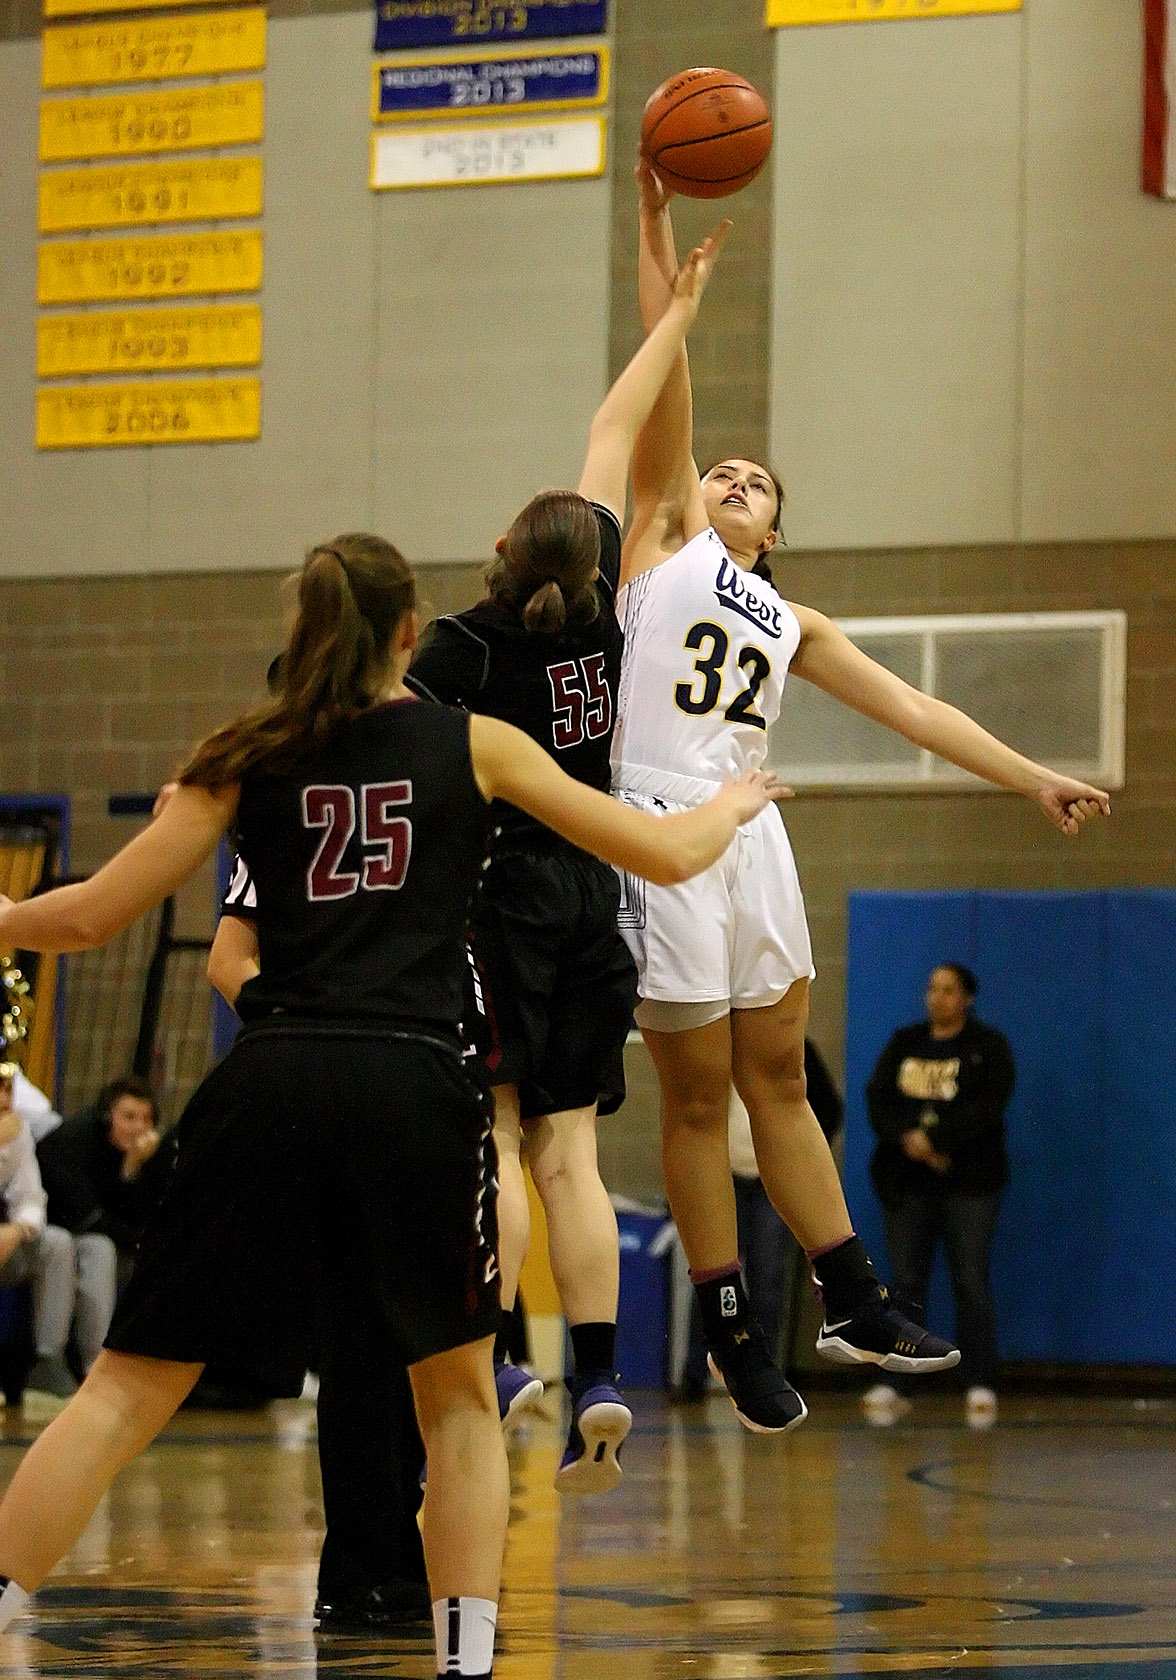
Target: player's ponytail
352,594
547,564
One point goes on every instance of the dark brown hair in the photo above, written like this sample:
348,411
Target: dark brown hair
130,1085
352,594
548,564
969,984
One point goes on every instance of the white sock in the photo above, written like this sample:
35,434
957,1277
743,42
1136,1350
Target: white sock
464,1631
13,1600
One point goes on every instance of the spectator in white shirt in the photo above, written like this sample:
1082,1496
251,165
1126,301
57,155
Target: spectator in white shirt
34,1106
32,1251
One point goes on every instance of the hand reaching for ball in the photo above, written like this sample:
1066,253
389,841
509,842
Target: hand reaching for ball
652,194
699,266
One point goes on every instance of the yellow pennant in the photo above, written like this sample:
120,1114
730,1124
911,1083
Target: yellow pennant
121,341
197,191
179,265
778,14
148,411
129,124
149,49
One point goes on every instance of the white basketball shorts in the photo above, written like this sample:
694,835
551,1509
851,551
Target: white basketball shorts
737,933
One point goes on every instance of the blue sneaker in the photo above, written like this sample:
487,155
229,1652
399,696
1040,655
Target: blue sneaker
517,1389
600,1422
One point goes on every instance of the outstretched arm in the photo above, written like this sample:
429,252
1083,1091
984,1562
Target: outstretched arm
151,866
829,659
509,765
667,501
627,407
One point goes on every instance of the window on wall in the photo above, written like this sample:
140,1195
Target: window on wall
1050,684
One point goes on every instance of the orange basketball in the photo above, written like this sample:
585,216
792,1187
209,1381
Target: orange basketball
706,132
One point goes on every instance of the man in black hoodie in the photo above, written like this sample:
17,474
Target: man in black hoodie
937,1101
103,1170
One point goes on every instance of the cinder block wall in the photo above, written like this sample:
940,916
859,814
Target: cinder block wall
105,681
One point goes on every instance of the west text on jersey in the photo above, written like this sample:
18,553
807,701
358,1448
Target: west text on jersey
732,592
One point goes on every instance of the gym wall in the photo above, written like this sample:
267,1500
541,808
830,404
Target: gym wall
928,469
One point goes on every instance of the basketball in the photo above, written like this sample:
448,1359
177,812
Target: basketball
706,132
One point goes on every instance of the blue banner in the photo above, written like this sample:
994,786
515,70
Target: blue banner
470,23
526,81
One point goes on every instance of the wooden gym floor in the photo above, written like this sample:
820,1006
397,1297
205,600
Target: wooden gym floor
1042,1547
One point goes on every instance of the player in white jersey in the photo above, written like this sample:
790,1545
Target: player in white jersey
725,963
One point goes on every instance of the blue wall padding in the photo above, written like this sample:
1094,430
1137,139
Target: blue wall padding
1084,987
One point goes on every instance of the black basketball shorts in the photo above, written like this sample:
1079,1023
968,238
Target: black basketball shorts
307,1158
553,986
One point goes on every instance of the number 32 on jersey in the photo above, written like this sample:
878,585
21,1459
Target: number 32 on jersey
712,644
386,839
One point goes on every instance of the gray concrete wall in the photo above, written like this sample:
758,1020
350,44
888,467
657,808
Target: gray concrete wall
973,303
430,359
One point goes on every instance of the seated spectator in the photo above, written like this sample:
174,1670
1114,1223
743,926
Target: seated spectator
102,1169
32,1251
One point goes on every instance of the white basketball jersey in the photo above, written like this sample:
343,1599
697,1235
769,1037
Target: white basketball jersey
707,649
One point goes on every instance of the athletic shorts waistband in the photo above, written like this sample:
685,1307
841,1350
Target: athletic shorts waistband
663,784
396,1029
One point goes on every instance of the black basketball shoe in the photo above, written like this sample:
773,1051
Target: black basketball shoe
398,1603
763,1398
880,1333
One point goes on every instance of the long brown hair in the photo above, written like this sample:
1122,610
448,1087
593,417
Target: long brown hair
352,594
548,564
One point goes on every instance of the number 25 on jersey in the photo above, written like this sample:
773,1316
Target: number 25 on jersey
386,839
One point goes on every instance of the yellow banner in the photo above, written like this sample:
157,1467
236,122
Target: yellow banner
131,124
71,8
148,411
109,270
149,49
778,14
199,191
121,342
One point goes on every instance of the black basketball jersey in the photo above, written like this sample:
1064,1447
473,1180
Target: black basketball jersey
559,689
364,860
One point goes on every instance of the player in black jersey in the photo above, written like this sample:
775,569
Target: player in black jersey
553,985
341,1133
371,1570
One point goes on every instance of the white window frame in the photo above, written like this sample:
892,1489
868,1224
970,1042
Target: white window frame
933,772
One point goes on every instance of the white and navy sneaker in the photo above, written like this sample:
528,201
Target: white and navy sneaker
880,1333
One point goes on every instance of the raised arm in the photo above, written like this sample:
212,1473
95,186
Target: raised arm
143,873
509,765
628,405
667,501
829,659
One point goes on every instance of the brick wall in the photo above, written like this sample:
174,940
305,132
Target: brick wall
105,682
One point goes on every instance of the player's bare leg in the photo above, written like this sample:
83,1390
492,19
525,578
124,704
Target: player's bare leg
581,1224
694,1070
585,1263
795,1162
119,1409
516,1388
467,1496
862,1325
